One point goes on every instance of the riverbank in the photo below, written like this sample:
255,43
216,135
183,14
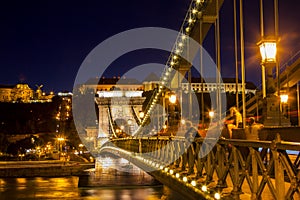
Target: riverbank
42,168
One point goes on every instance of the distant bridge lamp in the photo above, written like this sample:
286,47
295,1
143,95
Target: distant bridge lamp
284,100
172,98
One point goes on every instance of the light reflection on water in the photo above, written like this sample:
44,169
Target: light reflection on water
66,188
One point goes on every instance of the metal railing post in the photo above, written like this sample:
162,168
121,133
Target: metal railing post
279,172
254,174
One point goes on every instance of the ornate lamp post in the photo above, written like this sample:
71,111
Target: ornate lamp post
268,50
272,115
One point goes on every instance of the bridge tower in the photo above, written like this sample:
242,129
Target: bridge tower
118,112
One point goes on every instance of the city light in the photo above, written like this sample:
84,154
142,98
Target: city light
172,98
211,114
204,188
61,139
193,183
217,195
268,51
284,98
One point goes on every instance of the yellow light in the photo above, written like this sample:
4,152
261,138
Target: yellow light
60,139
194,11
217,195
193,183
180,44
268,50
204,188
284,98
166,169
185,179
171,172
174,57
182,121
161,167
177,175
211,114
164,126
172,63
141,114
172,98
190,20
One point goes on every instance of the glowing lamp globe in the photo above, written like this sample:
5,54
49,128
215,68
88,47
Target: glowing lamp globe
268,50
284,98
172,98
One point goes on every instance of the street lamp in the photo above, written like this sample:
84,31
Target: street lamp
268,52
284,99
211,115
172,98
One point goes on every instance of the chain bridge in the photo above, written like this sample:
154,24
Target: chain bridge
233,169
210,166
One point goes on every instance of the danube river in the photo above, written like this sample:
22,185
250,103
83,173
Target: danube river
66,188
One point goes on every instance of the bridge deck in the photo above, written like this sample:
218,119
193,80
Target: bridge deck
235,168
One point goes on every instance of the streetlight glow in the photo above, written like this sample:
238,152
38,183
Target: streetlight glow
284,98
211,114
268,50
172,98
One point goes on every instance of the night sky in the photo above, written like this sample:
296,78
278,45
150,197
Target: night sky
45,42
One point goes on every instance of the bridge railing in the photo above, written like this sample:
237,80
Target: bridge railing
263,165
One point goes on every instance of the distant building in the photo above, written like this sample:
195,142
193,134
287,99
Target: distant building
109,84
22,93
5,93
151,82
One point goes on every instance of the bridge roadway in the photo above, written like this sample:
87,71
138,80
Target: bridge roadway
233,169
42,168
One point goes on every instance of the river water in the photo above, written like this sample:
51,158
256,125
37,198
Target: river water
67,188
